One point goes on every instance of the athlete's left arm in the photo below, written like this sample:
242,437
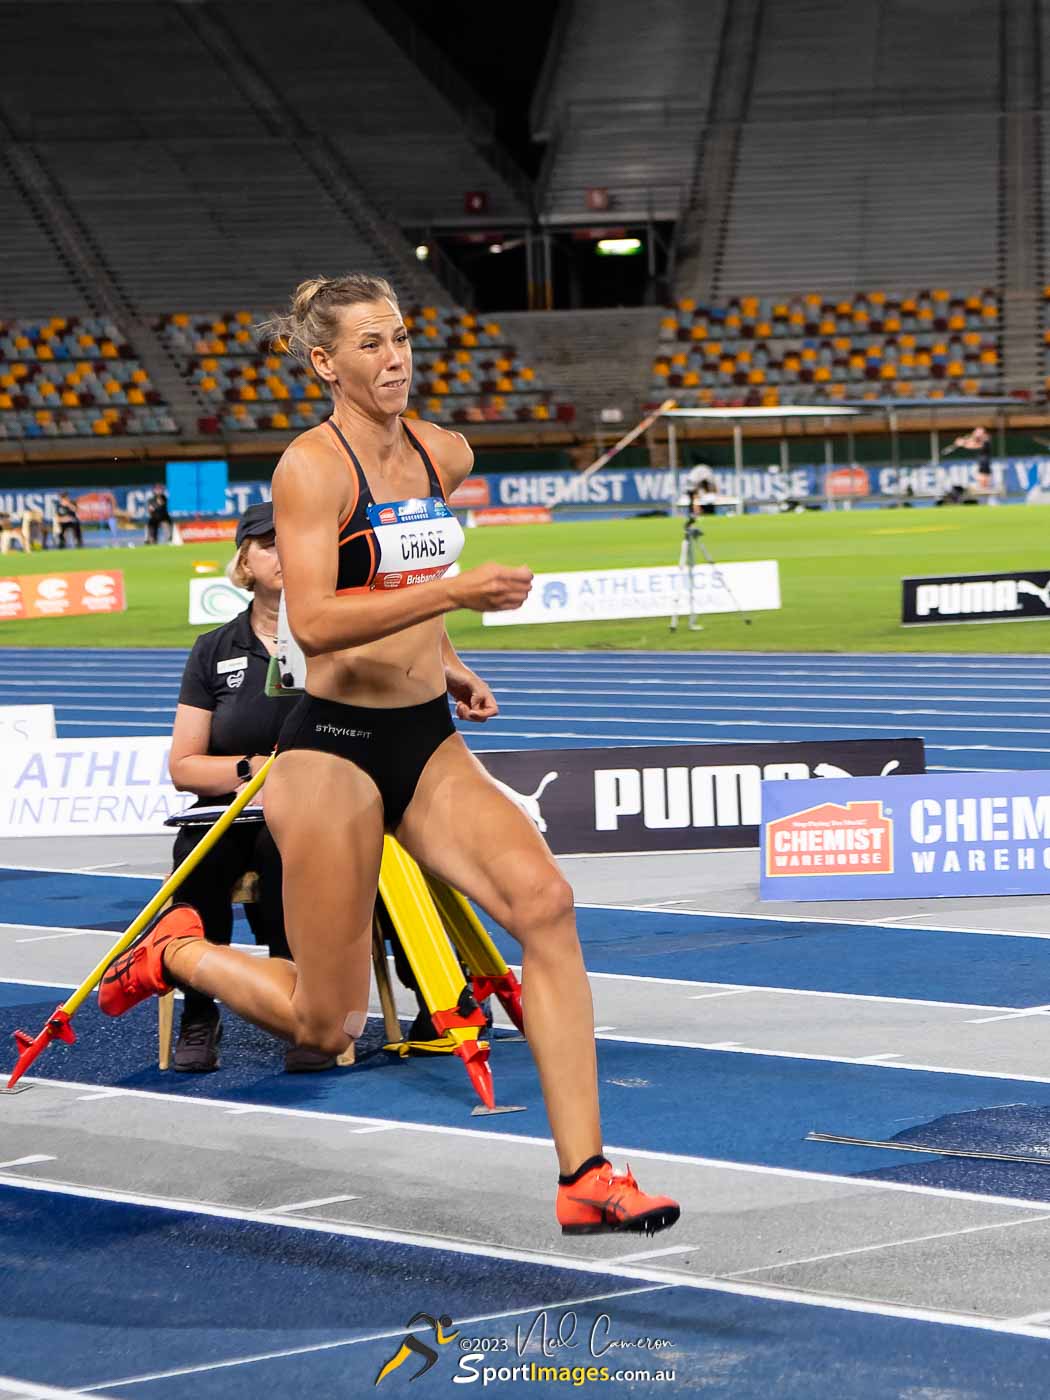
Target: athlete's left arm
453,457
474,700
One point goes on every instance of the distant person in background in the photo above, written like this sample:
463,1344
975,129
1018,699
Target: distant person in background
157,514
67,522
110,518
980,441
33,527
10,533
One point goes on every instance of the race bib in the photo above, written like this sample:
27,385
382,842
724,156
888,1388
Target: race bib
418,540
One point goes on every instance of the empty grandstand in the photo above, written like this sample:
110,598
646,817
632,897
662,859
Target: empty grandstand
835,215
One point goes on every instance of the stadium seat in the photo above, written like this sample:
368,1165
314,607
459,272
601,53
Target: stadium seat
229,360
43,362
805,348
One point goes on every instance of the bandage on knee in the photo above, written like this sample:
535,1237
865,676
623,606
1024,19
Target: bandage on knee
355,1023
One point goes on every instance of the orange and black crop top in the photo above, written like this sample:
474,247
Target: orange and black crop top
395,544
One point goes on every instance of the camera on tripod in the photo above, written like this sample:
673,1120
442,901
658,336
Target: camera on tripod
697,497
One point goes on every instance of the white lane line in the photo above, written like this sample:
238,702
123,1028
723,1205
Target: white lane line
890,1244
876,1059
851,1183
1011,1015
32,982
774,917
71,870
53,937
308,1205
694,705
797,724
62,710
91,689
94,724
251,1108
730,992
28,1161
377,1128
653,1254
603,1028
98,1094
261,951
735,1048
11,1388
375,1337
472,1249
701,689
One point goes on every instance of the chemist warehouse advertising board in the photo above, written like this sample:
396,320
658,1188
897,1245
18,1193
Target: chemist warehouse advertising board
935,835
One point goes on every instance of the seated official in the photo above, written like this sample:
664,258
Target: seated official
225,728
67,522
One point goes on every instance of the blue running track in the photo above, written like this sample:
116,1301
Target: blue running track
973,711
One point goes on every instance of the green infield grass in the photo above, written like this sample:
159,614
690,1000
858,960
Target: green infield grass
840,576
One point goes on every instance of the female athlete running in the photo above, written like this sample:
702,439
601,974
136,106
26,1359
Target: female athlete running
366,540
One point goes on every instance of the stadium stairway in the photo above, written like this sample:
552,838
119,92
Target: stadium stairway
61,226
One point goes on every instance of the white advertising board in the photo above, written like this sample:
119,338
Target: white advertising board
593,594
215,601
26,723
87,787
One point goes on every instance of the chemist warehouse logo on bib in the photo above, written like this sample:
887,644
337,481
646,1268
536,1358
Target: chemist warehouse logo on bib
855,839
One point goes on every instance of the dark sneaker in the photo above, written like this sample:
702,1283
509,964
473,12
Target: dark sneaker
197,1049
299,1059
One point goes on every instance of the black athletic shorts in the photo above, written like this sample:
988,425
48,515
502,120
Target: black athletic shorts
391,745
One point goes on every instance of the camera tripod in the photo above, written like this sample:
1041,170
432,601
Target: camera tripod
692,540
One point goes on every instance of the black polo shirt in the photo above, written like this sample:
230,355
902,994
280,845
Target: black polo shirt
226,673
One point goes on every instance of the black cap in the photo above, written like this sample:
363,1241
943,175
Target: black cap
256,520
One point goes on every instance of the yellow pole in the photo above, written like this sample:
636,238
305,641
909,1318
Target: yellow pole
57,1026
170,885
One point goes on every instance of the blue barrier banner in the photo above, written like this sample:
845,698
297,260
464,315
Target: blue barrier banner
639,487
132,499
940,834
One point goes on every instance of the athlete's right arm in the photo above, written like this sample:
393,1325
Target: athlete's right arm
308,500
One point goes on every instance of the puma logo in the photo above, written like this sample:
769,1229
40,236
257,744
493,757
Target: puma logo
829,770
1034,591
529,802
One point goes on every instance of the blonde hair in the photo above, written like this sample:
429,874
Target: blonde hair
237,570
313,317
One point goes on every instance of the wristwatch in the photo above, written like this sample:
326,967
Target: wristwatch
244,768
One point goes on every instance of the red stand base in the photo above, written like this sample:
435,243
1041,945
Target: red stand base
508,989
57,1027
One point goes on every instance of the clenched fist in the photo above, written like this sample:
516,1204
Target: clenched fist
491,588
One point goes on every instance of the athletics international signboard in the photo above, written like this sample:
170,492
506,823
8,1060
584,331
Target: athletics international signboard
937,835
678,797
1020,596
89,787
591,595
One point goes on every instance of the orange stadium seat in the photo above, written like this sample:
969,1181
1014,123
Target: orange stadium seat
464,372
762,350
